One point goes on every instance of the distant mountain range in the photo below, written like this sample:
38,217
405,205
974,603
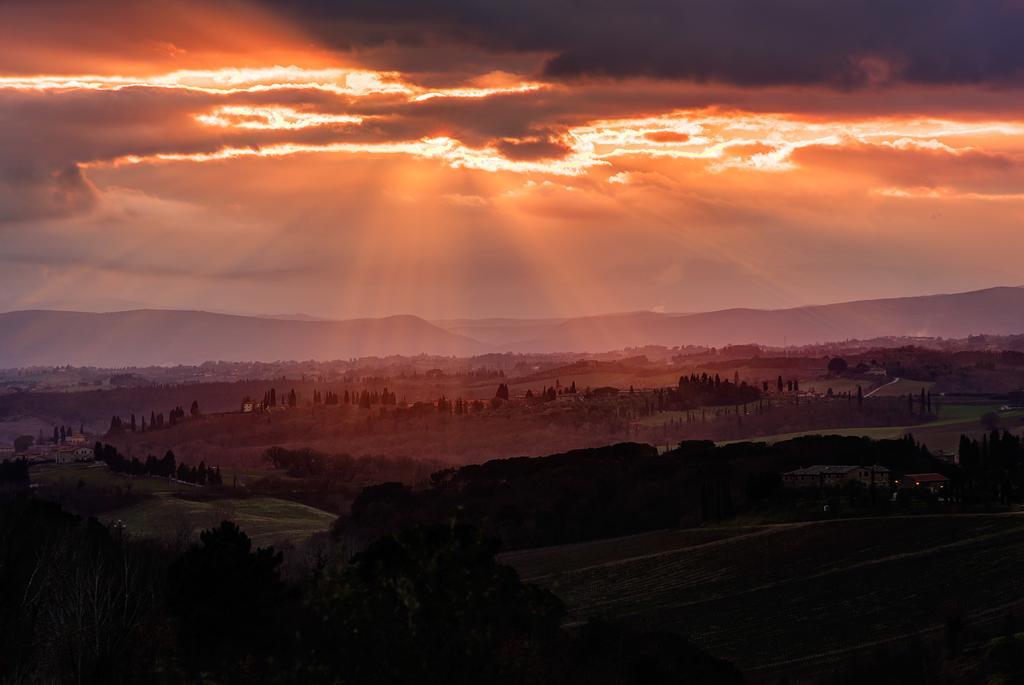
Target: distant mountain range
994,311
143,337
146,336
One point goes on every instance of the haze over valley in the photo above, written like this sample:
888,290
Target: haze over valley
155,337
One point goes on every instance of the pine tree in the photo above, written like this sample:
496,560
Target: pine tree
167,464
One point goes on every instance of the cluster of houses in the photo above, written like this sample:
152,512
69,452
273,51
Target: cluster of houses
74,448
823,476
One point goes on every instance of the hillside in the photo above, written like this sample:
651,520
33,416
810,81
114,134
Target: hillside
144,337
778,598
993,311
501,331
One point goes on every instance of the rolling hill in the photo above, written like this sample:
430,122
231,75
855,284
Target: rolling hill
144,337
993,311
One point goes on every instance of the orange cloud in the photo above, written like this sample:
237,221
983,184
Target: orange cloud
242,148
271,117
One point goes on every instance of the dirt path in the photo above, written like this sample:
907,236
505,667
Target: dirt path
885,385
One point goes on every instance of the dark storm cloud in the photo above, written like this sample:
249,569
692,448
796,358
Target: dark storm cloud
845,43
29,191
44,137
532,148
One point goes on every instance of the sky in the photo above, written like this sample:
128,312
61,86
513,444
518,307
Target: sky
483,158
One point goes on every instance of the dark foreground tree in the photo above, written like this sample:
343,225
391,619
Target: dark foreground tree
837,366
229,605
606,653
432,605
77,603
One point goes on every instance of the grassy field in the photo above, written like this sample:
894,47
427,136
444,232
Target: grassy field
838,385
661,418
538,563
941,434
267,520
97,474
766,596
241,476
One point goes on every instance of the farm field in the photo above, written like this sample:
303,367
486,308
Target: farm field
788,591
97,474
838,385
941,434
267,520
596,379
167,512
242,476
535,563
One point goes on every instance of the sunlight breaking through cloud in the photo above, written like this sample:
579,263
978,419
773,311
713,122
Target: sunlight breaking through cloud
727,141
350,82
724,139
271,118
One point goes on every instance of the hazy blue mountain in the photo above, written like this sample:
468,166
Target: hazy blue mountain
994,311
141,337
187,337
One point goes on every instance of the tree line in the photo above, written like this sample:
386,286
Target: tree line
156,420
164,467
363,399
705,390
615,490
993,467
